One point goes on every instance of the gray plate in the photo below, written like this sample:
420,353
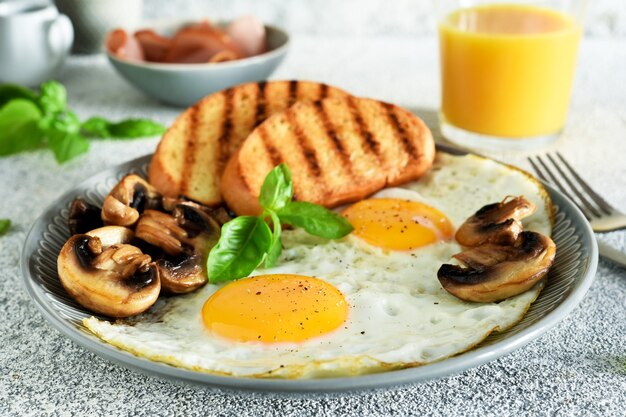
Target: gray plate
569,280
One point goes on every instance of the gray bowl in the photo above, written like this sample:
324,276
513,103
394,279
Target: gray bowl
185,84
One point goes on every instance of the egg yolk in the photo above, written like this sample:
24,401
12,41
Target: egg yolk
398,224
275,308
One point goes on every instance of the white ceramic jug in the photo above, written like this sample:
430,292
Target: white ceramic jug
34,41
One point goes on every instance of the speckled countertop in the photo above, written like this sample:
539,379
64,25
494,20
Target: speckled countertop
577,368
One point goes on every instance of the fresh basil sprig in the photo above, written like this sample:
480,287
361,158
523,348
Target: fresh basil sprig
29,121
5,225
248,241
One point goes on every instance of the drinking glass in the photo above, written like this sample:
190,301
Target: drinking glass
507,70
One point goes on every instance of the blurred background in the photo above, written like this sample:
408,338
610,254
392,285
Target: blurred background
605,18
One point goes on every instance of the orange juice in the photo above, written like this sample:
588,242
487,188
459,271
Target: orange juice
507,69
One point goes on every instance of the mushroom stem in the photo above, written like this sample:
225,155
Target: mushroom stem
128,199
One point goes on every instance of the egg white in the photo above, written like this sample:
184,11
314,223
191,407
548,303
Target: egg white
399,314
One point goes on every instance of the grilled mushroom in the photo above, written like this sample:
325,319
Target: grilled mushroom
220,214
496,223
83,217
128,199
495,272
106,275
185,236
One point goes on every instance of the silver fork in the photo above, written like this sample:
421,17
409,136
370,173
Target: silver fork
601,215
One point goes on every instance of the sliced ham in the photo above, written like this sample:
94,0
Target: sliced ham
199,43
249,33
154,46
124,46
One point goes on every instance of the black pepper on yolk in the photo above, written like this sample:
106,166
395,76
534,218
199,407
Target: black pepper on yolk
398,224
275,308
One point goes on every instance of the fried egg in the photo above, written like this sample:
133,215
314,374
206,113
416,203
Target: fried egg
365,303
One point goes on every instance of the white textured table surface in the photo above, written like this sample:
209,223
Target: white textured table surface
577,368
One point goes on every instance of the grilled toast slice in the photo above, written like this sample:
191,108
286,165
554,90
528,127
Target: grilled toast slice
192,154
339,150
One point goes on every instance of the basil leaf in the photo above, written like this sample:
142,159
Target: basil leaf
97,127
52,97
66,146
5,225
316,220
9,92
277,189
66,122
136,128
18,127
241,248
276,247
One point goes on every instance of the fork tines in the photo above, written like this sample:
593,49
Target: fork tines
563,176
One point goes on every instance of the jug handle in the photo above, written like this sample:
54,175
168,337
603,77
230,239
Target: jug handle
60,36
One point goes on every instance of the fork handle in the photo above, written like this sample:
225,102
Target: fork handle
611,253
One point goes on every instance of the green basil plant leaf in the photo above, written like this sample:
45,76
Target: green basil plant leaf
66,146
10,92
5,225
241,248
18,127
135,128
316,220
96,127
276,246
52,97
277,188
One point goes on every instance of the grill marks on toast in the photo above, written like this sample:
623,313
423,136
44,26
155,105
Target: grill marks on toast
331,133
293,93
270,150
362,129
400,131
227,127
190,146
323,92
339,150
260,103
192,154
302,142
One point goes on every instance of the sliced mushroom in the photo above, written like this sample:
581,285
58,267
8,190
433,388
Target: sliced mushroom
185,236
220,214
112,235
106,275
83,217
496,223
128,199
494,272
183,273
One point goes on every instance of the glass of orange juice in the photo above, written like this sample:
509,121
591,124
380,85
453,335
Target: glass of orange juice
507,70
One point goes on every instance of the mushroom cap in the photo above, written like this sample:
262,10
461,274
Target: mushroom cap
497,223
186,236
116,281
182,274
128,199
83,217
496,272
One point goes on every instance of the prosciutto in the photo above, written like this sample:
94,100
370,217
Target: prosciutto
200,42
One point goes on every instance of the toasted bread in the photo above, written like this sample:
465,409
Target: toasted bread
192,154
339,150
